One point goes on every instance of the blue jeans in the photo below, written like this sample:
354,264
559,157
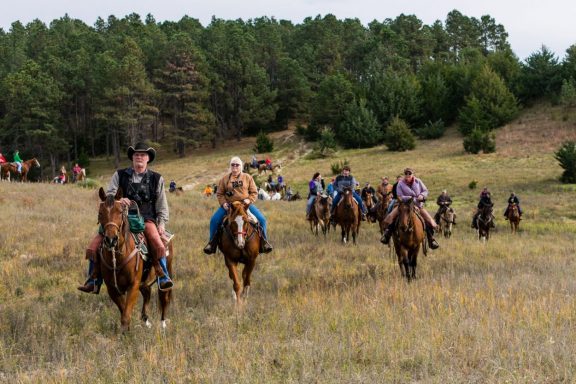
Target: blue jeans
220,214
309,203
356,197
391,206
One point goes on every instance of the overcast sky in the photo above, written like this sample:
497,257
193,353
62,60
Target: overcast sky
529,23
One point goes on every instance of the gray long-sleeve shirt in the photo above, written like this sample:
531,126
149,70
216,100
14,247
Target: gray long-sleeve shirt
162,212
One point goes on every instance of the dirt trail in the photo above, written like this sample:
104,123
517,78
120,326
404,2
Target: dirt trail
287,157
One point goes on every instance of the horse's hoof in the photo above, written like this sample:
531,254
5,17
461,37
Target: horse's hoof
164,324
148,324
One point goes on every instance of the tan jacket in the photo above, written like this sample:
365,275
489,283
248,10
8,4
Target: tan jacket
382,190
242,187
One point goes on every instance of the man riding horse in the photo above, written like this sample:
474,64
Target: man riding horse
235,186
411,188
443,201
485,201
513,199
18,161
342,181
146,188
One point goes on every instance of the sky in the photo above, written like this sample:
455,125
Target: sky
530,24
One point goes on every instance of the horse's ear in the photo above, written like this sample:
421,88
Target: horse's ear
102,194
118,194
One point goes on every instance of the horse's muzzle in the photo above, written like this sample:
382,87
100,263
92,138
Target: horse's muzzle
110,242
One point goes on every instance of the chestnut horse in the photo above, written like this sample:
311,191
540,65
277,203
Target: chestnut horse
240,243
122,264
513,217
485,222
408,237
264,168
8,168
348,215
320,215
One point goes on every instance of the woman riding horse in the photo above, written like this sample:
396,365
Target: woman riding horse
235,186
411,188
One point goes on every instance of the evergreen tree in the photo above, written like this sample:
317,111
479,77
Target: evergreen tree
359,127
398,136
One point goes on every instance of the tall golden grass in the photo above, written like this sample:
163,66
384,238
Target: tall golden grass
319,311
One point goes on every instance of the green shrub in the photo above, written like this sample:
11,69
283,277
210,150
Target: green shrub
566,156
432,130
478,141
337,166
472,184
398,136
359,127
263,143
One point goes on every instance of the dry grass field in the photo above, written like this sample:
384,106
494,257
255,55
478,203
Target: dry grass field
319,311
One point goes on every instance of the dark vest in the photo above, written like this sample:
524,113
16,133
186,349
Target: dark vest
143,193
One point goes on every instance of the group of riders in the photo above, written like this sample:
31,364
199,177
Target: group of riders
146,188
62,177
407,187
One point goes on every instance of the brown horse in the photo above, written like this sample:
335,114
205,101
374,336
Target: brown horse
320,214
369,202
8,168
446,221
274,168
513,217
382,210
122,265
408,237
485,222
240,243
348,215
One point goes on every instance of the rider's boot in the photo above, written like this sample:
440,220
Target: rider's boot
474,222
387,234
265,246
164,281
212,245
93,283
363,216
431,241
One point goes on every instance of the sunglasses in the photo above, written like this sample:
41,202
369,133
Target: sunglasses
407,173
235,165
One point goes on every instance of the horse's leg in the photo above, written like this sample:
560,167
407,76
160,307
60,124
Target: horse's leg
246,273
343,233
233,274
117,298
146,293
131,298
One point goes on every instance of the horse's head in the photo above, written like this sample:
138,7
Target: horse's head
348,197
369,201
34,162
111,216
238,222
405,209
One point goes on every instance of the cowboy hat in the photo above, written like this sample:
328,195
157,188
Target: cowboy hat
141,147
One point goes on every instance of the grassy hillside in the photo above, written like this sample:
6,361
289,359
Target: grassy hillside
319,311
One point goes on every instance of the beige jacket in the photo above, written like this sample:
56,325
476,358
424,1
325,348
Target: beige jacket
242,187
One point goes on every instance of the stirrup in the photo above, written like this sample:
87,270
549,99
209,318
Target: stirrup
91,286
165,285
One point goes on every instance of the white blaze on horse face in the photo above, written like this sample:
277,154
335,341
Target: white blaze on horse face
240,223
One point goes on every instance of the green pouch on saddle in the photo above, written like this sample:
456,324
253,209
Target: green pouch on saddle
135,221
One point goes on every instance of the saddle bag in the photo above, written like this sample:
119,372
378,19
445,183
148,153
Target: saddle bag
135,220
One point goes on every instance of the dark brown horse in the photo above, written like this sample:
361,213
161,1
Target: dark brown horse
240,243
12,168
485,222
513,217
320,214
348,215
381,210
121,263
408,237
